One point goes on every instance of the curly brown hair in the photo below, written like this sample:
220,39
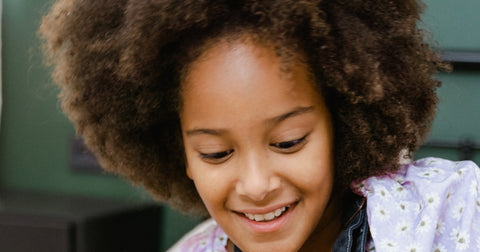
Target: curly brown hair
119,64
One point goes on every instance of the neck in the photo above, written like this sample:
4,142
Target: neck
327,230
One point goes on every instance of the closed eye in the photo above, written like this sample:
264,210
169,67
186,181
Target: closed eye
216,157
290,146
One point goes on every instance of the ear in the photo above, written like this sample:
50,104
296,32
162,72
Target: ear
187,167
187,170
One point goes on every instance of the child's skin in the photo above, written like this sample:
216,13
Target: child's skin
278,154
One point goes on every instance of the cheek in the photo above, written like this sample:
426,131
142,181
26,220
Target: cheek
314,175
211,182
208,191
311,173
315,164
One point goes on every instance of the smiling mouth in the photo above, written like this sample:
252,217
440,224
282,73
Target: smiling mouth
268,216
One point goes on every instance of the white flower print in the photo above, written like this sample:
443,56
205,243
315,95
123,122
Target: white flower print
417,208
404,206
439,248
462,239
460,173
381,213
382,191
458,210
399,179
387,245
428,212
437,171
432,200
440,228
449,195
426,173
412,249
415,247
424,225
403,227
399,191
474,189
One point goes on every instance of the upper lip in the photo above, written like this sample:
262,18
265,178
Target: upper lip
264,210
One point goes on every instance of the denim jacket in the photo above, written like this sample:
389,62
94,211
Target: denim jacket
355,235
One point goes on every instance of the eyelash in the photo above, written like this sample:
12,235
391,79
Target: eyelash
216,157
282,147
290,146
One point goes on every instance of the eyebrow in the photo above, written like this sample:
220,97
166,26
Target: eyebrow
295,112
274,120
212,132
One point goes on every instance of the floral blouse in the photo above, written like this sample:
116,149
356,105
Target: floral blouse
428,205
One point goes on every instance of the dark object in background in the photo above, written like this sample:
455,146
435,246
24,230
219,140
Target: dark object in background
466,147
33,222
462,60
81,159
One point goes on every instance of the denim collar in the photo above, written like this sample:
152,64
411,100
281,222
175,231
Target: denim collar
355,234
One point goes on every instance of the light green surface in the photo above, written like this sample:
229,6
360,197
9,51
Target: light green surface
34,134
458,114
455,26
454,23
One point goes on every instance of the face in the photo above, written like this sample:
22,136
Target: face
258,145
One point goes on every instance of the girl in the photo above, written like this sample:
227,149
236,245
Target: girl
289,122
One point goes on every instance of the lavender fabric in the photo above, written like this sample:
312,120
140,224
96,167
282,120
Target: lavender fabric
206,237
428,205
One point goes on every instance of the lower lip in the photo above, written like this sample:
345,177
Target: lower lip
269,226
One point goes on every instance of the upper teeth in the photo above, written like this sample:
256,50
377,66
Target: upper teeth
267,216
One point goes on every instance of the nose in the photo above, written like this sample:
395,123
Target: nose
257,179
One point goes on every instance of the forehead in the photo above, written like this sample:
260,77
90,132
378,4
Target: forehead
288,51
243,79
243,52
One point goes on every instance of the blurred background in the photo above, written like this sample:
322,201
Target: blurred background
456,129
38,153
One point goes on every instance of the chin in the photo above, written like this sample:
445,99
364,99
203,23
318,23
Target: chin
282,245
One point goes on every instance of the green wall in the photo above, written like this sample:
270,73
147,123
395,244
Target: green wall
34,134
454,25
458,114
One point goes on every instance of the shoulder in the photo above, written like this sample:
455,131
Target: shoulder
423,176
206,237
428,203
